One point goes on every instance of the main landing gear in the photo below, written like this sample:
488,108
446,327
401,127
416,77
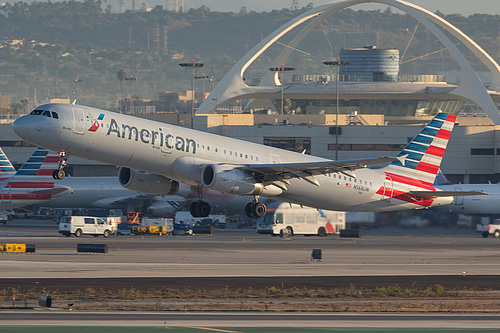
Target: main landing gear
200,208
255,209
59,173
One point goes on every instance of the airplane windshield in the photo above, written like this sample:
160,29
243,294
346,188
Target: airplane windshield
49,114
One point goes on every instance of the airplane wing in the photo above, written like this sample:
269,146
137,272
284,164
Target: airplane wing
281,172
437,194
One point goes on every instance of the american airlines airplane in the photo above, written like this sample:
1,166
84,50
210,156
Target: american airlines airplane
32,183
481,205
166,155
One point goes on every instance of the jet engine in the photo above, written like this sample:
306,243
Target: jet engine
229,180
148,183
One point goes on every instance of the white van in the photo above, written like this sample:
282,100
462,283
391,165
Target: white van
84,225
291,219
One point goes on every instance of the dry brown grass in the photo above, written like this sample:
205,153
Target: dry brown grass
382,299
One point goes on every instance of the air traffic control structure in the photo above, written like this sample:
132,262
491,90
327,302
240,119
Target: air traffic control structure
233,87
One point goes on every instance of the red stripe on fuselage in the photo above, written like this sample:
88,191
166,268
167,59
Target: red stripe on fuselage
405,196
27,196
409,181
31,185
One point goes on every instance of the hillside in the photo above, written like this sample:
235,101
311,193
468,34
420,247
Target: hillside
45,46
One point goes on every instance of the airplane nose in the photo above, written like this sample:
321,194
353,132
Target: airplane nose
22,127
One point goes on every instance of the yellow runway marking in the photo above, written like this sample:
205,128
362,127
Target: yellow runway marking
212,329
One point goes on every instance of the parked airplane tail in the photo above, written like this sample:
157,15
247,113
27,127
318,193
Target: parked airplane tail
41,163
418,163
6,168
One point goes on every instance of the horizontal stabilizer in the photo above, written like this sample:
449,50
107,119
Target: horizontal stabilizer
440,194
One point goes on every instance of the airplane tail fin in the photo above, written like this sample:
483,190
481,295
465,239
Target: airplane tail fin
418,163
41,163
6,168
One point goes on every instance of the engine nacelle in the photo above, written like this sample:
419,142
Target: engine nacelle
229,180
148,183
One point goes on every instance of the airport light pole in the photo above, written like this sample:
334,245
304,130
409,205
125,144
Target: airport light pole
202,77
192,65
131,79
77,81
282,69
337,63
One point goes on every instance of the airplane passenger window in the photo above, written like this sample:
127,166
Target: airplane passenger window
46,113
256,158
241,155
208,147
55,115
216,150
224,152
246,156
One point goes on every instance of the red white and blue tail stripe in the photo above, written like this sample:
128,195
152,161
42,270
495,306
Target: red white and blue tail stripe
33,182
418,163
41,163
6,168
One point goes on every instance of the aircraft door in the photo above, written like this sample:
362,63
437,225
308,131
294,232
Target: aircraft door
388,189
275,159
6,194
78,121
459,201
168,140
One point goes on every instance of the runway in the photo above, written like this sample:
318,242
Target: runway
234,253
235,320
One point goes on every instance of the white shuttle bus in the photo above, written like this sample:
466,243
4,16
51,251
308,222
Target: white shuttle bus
286,219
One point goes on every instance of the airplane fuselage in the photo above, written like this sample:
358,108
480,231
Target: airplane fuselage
180,153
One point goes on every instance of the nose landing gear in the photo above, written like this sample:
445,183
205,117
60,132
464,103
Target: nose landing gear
59,173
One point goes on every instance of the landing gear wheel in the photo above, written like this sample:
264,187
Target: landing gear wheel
58,174
203,209
200,209
259,209
249,210
255,209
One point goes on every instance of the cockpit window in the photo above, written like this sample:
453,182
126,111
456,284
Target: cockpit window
46,113
55,115
36,112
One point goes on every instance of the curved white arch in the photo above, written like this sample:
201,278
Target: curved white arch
471,87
